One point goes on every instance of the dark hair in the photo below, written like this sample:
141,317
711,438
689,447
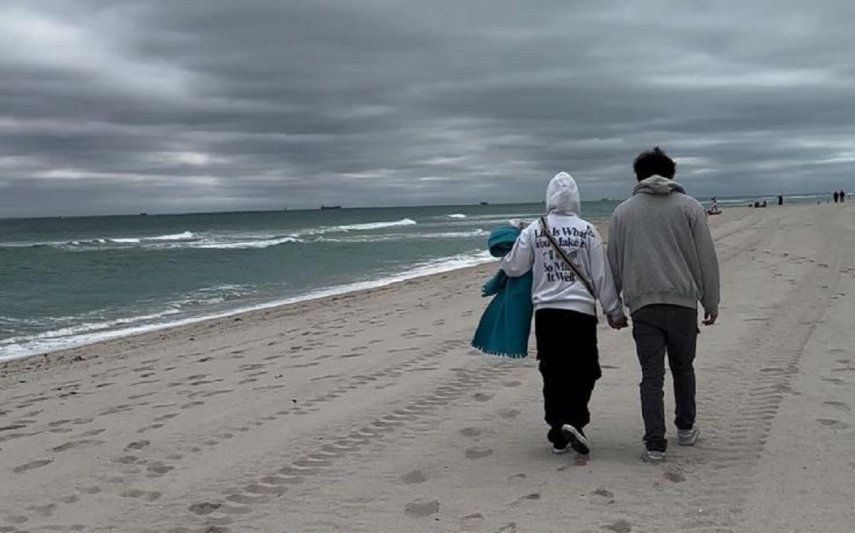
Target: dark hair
654,163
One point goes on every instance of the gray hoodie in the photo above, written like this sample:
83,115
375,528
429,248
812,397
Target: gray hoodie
660,249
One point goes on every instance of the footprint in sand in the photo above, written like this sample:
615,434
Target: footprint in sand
674,476
471,521
839,405
143,494
414,476
604,495
832,423
44,510
471,432
277,480
508,413
31,465
159,468
478,453
421,508
621,526
137,445
73,444
245,499
204,507
264,489
17,520
149,428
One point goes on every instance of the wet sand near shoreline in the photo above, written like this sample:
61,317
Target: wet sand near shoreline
370,412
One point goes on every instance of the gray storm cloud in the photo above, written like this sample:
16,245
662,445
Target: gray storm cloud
165,106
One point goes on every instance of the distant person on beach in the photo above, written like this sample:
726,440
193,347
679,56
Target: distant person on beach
714,209
663,260
836,196
780,200
570,273
842,196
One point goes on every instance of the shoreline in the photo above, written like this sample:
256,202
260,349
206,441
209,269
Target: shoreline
88,339
271,310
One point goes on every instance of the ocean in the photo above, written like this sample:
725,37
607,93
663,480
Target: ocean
71,281
65,282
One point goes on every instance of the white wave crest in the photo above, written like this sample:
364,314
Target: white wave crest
183,236
457,215
247,245
406,236
377,225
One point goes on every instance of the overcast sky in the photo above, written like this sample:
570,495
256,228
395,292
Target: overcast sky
192,105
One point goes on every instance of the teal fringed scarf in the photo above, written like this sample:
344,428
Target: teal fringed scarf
506,323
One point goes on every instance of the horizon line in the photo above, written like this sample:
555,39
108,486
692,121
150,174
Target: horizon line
301,209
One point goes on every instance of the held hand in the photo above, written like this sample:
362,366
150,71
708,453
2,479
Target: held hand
619,323
709,318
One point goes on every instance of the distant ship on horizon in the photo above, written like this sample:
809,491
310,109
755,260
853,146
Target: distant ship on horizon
325,207
483,203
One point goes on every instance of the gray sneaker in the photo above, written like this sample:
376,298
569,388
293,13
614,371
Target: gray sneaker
688,437
652,456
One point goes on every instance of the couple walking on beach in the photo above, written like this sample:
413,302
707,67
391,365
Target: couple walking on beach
660,258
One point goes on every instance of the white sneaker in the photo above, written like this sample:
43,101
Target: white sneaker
558,451
688,437
652,456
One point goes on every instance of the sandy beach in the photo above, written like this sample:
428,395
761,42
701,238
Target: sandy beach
370,412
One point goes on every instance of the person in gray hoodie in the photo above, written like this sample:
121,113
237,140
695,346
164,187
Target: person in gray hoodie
663,261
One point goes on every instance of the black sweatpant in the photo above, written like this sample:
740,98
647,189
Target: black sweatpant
569,363
656,329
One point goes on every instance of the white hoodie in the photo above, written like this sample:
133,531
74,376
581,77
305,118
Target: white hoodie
555,285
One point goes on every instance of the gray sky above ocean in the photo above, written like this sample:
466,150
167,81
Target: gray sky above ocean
165,106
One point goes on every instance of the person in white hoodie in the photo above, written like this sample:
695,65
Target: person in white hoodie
565,308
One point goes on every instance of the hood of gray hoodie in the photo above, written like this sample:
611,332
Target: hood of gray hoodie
657,185
562,196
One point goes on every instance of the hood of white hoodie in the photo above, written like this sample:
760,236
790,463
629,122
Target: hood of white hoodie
562,196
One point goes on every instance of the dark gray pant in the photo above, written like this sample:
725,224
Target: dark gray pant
657,329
